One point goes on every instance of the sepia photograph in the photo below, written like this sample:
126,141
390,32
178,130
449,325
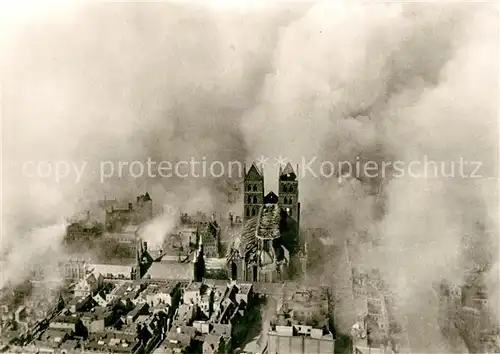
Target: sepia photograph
249,177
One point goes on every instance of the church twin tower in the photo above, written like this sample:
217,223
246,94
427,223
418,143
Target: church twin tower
268,243
288,198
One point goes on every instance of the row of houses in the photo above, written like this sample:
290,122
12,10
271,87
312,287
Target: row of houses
144,316
120,317
213,318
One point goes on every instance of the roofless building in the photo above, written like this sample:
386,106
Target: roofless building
261,252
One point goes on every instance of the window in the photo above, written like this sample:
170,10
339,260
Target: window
248,212
249,199
253,211
290,201
255,199
249,188
286,200
285,188
255,188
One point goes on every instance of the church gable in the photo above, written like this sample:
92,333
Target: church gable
271,198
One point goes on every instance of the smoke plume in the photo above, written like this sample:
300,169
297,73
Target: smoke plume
386,83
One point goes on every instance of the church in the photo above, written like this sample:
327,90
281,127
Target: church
263,250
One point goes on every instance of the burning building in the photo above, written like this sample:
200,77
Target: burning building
261,251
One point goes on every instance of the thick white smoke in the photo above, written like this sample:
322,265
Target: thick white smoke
41,251
386,83
123,83
155,231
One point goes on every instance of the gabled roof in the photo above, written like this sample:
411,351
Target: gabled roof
288,170
254,173
271,198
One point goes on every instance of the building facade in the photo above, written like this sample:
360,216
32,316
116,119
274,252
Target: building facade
209,231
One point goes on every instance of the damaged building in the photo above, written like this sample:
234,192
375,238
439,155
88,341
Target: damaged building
117,215
302,322
263,249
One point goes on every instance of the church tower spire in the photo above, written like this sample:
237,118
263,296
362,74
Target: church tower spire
253,192
289,192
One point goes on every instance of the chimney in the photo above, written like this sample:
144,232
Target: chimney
145,246
129,206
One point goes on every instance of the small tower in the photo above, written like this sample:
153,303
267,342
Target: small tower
253,192
289,192
199,262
